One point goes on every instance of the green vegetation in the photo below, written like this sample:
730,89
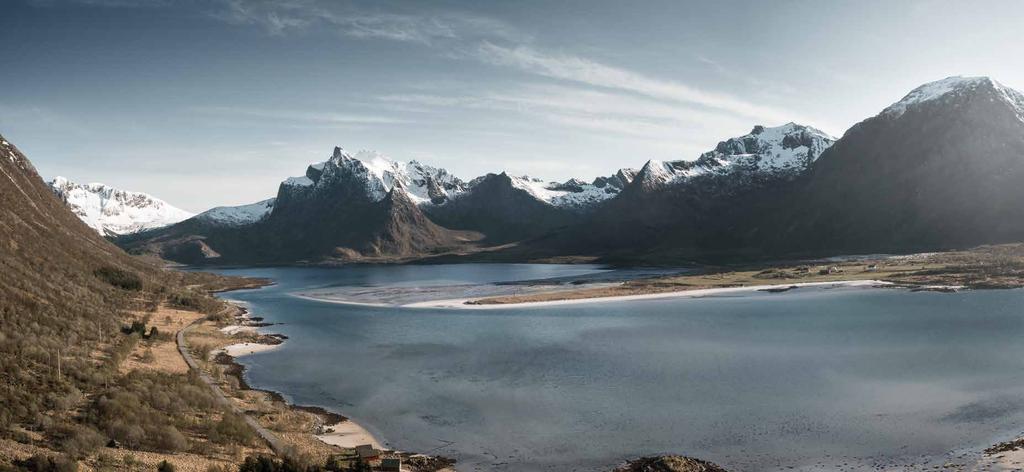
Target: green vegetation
149,410
291,464
231,429
48,463
119,278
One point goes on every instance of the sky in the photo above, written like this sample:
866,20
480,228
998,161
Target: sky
214,102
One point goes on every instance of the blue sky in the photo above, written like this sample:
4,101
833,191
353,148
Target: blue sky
214,102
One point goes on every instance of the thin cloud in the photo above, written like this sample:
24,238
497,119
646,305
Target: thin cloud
102,3
588,110
282,16
582,70
460,35
295,115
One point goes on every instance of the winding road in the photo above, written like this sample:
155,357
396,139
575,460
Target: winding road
275,443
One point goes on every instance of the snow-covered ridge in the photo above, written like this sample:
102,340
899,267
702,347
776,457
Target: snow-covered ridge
779,151
379,174
952,87
238,215
573,193
112,211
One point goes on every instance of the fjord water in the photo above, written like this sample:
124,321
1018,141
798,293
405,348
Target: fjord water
812,378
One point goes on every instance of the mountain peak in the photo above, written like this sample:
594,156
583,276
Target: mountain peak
954,86
111,211
377,175
779,151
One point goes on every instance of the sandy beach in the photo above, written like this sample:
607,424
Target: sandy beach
463,303
348,434
243,349
338,301
231,330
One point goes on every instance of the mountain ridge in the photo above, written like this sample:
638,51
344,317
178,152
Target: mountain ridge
772,192
112,211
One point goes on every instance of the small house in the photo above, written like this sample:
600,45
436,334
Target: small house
368,454
391,463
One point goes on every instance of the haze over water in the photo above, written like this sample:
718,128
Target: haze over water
813,378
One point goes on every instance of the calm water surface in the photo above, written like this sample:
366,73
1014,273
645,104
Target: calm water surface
813,378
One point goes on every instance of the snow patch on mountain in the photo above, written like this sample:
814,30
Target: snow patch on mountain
573,193
112,211
952,87
781,151
379,175
238,215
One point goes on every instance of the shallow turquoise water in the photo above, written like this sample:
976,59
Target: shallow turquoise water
813,378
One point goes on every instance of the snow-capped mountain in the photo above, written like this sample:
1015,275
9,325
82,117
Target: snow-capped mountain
238,215
939,168
377,175
113,212
571,194
949,89
777,152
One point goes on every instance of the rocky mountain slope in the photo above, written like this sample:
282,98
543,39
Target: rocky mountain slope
940,168
668,207
112,211
361,207
507,208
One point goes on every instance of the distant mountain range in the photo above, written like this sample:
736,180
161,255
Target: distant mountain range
113,212
939,168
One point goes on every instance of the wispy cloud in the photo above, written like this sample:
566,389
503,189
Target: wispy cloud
102,3
609,114
305,117
281,16
585,71
490,41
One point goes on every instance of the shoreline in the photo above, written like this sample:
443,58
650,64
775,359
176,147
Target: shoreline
338,429
466,303
340,302
1012,451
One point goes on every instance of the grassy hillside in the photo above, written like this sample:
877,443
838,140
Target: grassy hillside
66,297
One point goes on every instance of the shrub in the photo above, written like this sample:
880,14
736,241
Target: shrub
78,440
168,438
165,466
119,278
231,428
137,327
41,463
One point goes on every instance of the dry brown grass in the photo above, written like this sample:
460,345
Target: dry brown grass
999,266
293,426
166,357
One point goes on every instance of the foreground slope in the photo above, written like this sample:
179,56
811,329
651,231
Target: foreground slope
64,295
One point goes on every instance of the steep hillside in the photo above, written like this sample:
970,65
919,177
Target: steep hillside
940,168
65,293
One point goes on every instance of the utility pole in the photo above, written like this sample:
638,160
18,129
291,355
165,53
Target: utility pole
58,364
